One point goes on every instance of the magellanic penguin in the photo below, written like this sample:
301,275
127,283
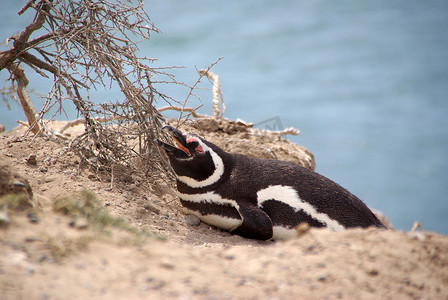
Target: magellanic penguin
258,198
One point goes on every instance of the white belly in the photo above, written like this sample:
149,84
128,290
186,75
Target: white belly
216,220
282,233
219,221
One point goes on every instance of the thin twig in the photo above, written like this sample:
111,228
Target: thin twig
216,93
182,109
192,88
286,131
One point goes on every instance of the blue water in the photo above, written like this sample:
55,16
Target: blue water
366,82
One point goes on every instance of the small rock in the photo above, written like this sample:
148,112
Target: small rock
417,235
4,218
31,160
152,208
31,239
192,220
242,282
82,223
207,124
31,270
79,223
143,288
302,229
45,296
19,184
32,217
48,179
372,272
2,128
322,278
167,265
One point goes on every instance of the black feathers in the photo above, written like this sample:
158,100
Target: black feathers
259,198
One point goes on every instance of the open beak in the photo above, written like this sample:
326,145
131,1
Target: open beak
178,139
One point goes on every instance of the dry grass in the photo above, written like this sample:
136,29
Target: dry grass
15,201
84,204
61,246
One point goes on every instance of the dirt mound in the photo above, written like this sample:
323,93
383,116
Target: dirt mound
131,240
240,137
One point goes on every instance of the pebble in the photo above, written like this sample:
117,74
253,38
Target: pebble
372,272
49,179
31,239
80,223
19,184
31,160
45,296
152,208
207,124
32,217
192,220
4,218
167,264
302,229
417,235
322,277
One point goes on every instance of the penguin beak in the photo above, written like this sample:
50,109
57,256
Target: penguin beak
178,139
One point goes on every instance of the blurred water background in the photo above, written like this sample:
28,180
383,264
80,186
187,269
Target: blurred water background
366,82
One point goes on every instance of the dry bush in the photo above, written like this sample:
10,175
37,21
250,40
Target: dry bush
87,45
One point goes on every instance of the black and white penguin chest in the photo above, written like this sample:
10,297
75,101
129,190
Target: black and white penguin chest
258,198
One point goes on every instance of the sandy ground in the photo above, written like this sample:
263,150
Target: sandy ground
55,257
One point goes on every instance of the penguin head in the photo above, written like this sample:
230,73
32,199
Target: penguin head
195,161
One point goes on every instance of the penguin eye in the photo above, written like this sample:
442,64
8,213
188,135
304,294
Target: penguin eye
194,143
199,149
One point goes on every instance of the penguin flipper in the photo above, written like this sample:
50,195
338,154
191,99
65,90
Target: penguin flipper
256,223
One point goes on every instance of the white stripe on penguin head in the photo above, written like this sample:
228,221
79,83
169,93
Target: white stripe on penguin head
217,173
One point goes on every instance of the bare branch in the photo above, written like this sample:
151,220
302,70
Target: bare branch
27,105
216,92
182,109
193,87
286,131
81,121
26,6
